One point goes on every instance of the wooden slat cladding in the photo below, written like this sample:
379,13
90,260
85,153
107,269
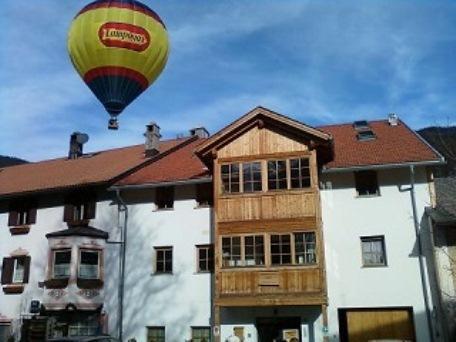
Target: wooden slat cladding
278,226
270,206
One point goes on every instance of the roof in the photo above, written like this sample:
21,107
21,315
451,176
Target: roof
80,231
63,173
181,165
392,145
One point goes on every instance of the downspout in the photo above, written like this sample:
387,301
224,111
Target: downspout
420,252
122,207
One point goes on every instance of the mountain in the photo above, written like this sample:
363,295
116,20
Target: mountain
9,161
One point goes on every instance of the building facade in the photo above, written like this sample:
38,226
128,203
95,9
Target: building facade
268,230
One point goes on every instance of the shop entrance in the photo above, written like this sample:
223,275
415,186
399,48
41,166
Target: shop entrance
278,329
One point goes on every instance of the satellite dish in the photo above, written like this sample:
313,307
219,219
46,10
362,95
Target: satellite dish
82,138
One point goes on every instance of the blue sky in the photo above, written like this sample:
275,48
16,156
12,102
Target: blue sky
321,62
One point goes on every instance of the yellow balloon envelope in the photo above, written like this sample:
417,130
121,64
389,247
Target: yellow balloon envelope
119,48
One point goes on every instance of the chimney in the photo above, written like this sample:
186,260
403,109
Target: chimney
393,119
200,132
152,139
77,140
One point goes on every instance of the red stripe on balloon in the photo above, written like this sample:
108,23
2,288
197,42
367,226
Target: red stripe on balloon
132,7
116,71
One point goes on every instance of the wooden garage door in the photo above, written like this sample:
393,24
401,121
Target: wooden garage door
376,324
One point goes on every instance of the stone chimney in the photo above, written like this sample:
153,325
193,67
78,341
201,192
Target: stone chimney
152,145
393,119
200,132
77,140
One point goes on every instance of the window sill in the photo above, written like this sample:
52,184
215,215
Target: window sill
374,266
163,209
367,196
19,230
13,288
161,273
203,206
56,283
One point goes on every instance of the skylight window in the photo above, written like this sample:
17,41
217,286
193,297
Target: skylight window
365,135
361,125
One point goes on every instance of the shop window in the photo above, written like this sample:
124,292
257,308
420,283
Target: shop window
61,264
230,178
89,264
201,334
366,183
205,258
165,197
155,334
373,251
163,259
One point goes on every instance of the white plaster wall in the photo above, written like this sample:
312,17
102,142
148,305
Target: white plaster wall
177,301
346,218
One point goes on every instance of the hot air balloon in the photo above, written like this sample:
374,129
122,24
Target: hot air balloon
119,48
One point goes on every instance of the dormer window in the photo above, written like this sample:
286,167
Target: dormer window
61,264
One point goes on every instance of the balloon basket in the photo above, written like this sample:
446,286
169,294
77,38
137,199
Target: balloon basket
113,124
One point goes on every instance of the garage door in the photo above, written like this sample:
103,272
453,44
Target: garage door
363,325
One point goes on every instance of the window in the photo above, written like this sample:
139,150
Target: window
5,331
373,250
243,250
77,211
230,178
251,173
15,270
205,258
201,334
155,334
280,249
299,173
165,197
62,261
366,183
89,264
305,248
277,174
22,215
163,259
204,194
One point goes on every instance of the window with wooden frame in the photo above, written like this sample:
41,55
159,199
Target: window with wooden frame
277,174
22,214
155,334
230,178
163,259
204,194
251,177
305,245
61,262
373,251
201,334
366,183
89,264
15,270
281,249
205,262
78,210
165,197
241,251
300,173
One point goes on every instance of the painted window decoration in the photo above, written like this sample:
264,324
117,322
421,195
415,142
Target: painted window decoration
89,264
299,173
15,270
165,197
240,251
251,173
373,251
204,195
305,248
201,334
205,258
61,264
366,183
230,178
22,215
277,174
163,259
280,249
155,334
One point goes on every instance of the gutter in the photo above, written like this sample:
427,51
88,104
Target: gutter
384,166
159,184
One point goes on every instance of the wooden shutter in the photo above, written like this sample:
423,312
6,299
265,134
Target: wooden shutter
90,208
12,219
7,270
31,215
26,269
68,212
